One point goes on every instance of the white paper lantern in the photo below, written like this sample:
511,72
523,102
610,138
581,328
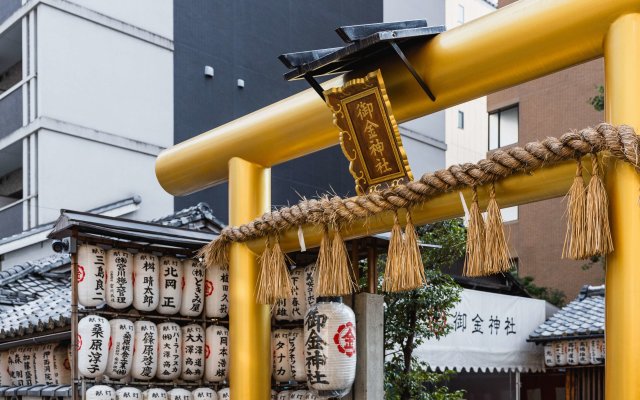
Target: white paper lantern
146,275
274,395
296,355
204,393
216,291
193,292
572,352
100,392
90,276
560,350
216,353
299,395
284,395
310,285
119,279
28,365
281,310
94,333
128,393
45,364
15,367
603,349
178,394
154,394
120,348
298,303
61,365
145,355
595,351
224,394
280,348
169,351
171,281
192,352
330,348
584,357
5,372
549,355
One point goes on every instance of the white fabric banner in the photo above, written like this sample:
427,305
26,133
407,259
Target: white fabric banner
488,333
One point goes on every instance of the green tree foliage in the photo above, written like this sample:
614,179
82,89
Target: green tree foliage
597,101
415,316
553,296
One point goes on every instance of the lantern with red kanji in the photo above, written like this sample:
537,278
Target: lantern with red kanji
145,352
91,275
216,292
94,334
146,274
330,347
119,278
120,348
216,353
171,278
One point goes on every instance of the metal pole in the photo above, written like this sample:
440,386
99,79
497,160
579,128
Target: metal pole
249,323
622,296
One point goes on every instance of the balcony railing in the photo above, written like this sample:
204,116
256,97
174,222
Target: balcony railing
10,110
11,219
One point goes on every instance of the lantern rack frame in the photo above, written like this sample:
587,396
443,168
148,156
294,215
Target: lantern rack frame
78,228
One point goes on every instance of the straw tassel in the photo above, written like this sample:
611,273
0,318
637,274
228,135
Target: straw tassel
216,253
334,276
599,240
393,279
575,240
474,256
274,282
415,276
496,256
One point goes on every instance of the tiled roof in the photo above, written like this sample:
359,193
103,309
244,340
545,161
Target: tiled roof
583,317
197,217
36,295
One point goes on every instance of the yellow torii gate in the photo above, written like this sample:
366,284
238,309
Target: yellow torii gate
526,40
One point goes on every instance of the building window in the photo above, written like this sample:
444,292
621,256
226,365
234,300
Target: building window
460,14
460,120
509,214
503,127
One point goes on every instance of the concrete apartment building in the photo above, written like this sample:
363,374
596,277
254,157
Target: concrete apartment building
544,107
86,104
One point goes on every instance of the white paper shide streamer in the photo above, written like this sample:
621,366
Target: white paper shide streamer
192,352
297,356
216,353
193,291
216,291
90,275
204,393
170,285
280,346
94,333
169,351
128,393
330,348
100,392
120,348
119,278
145,351
145,282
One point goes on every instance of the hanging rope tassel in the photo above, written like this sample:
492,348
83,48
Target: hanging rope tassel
599,240
415,268
265,284
475,239
393,277
216,253
343,283
496,256
575,240
283,287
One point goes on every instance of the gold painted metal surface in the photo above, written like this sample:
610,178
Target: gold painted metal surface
545,183
622,332
520,42
249,323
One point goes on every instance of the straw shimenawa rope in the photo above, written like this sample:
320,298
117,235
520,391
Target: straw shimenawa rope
621,141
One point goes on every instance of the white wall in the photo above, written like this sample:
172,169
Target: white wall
402,10
100,78
153,15
80,174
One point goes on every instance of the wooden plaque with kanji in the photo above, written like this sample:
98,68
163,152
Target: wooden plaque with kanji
369,134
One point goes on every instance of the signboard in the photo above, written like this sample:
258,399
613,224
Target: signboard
488,333
369,135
